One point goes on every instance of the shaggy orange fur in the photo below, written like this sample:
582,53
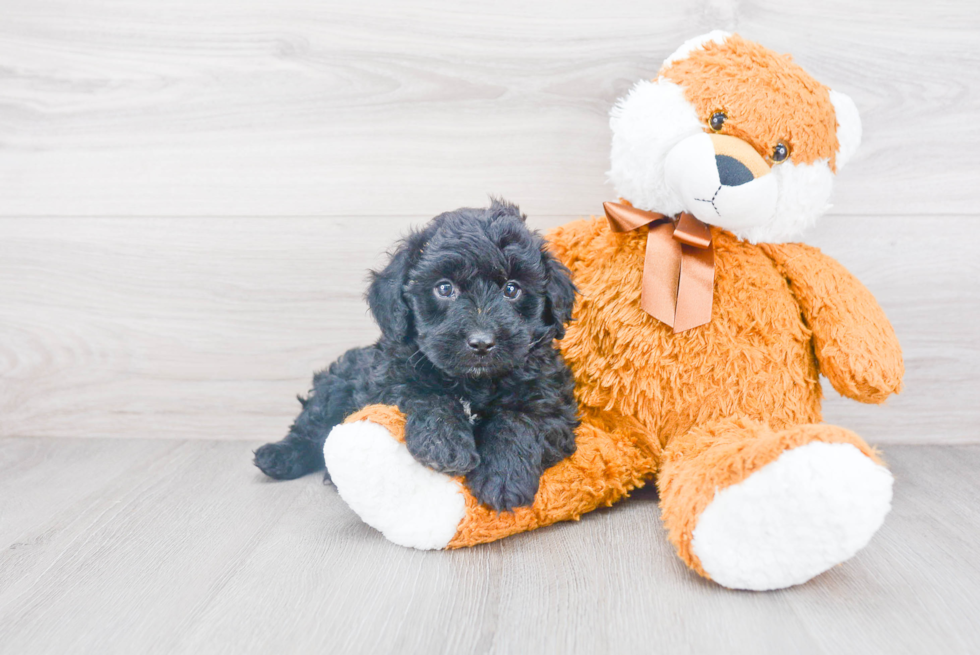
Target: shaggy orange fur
853,340
388,417
766,97
702,409
753,359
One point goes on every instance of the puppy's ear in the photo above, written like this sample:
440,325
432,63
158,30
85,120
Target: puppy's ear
385,295
559,294
500,208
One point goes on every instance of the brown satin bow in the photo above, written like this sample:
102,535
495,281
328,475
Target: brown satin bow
679,267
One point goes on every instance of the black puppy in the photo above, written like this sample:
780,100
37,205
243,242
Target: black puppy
468,308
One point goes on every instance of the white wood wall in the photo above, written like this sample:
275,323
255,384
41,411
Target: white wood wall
192,191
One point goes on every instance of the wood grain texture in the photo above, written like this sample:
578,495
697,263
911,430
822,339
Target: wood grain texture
191,192
186,549
129,108
209,328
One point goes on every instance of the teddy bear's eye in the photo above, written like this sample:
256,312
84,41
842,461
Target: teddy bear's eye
780,152
717,120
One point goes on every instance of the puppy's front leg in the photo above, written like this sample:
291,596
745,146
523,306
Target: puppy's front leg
510,466
439,435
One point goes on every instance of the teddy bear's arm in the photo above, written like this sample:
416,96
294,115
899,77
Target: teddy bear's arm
855,345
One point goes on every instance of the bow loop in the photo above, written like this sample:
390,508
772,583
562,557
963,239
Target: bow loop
626,218
691,231
679,266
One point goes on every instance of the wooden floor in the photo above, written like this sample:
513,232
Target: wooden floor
145,546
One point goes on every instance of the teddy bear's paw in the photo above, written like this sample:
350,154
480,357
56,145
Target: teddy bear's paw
377,477
813,507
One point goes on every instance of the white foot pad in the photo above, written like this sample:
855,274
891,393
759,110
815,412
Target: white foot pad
814,507
377,477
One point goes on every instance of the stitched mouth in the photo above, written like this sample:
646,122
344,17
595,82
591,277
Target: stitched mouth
712,200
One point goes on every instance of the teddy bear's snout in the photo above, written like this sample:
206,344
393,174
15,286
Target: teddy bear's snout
722,180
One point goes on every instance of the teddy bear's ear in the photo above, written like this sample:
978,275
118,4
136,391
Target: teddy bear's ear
848,127
716,36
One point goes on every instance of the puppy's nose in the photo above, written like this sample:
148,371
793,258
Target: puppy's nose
481,342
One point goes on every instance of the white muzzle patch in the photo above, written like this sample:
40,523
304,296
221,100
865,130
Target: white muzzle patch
720,189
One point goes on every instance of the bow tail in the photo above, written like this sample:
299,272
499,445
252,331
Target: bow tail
695,288
661,273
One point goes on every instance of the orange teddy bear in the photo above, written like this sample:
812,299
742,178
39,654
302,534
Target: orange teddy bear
696,346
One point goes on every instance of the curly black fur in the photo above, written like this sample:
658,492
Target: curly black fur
485,392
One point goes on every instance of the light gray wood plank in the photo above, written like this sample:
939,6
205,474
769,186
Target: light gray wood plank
43,477
209,328
133,561
340,109
150,328
197,553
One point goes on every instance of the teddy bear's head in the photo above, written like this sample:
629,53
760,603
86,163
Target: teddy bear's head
735,134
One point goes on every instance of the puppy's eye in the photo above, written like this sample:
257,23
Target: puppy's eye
717,120
780,152
444,289
512,290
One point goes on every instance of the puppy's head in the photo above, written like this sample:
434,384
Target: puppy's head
475,290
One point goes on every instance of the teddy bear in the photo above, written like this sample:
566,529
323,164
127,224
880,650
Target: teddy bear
699,335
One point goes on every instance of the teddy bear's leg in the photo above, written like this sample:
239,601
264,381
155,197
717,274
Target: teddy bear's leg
755,508
368,462
417,507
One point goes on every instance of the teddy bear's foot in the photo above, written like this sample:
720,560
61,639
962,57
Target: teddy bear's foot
756,509
814,507
376,476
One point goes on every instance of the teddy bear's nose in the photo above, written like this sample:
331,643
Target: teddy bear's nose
732,172
737,162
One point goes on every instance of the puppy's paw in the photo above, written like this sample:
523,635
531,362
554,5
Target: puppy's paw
444,448
283,461
503,490
440,437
